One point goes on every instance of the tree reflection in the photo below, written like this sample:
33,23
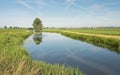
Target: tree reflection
37,38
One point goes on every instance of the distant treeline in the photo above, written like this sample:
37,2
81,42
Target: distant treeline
78,27
12,27
15,27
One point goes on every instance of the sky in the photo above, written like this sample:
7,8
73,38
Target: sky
60,13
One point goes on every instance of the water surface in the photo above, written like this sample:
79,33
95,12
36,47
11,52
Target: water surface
55,48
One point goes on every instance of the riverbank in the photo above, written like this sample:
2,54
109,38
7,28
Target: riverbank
14,60
104,40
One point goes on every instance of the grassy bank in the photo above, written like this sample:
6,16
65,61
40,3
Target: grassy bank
14,60
101,39
105,31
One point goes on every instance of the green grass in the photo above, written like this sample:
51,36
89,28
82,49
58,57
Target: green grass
106,31
14,60
111,43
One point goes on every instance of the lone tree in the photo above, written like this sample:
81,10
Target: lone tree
37,24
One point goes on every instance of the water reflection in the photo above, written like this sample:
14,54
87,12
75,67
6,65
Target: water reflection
55,48
37,38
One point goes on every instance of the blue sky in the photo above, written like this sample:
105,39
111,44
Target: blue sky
60,13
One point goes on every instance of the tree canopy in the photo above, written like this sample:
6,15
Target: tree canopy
37,24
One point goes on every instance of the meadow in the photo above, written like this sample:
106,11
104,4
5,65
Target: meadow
106,31
103,37
14,59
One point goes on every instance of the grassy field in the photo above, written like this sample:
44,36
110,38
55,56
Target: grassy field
14,60
104,37
106,31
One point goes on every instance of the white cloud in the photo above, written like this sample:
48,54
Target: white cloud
71,1
24,4
111,3
102,6
96,9
36,4
41,3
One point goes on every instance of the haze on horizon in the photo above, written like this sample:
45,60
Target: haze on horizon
60,13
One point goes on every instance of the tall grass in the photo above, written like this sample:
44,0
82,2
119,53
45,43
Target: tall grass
14,60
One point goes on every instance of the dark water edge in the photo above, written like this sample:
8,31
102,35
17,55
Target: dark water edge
55,48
